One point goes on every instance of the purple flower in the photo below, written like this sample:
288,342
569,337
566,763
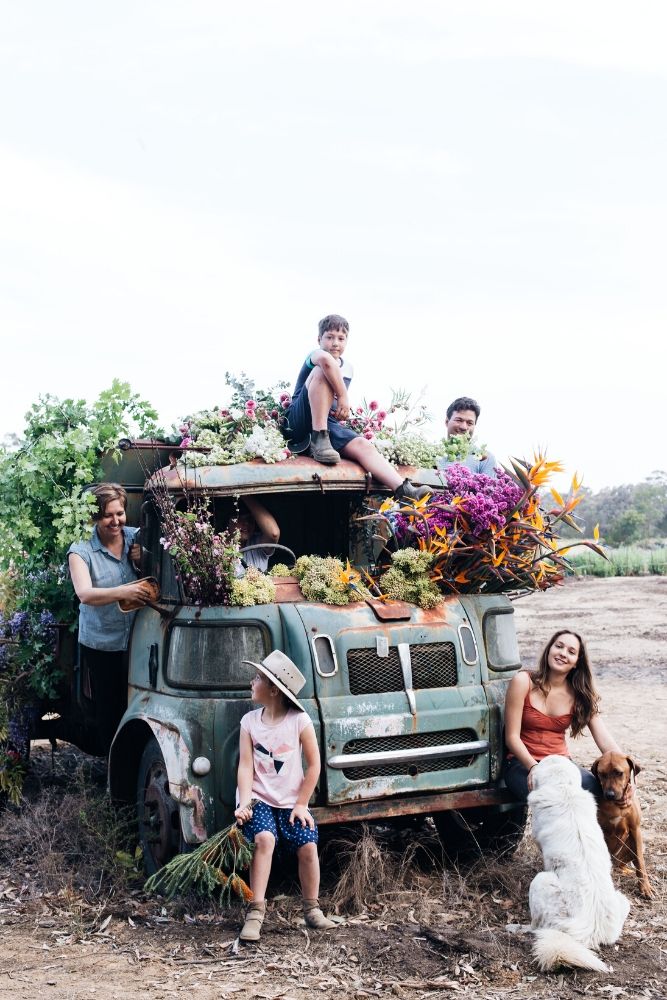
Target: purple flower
483,504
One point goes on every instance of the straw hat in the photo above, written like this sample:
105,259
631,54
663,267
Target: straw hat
280,670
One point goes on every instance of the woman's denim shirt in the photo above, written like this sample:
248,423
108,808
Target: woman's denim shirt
105,627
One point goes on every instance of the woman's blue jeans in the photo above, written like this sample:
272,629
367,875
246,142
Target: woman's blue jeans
516,779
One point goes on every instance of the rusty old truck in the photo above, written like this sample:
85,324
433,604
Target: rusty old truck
407,704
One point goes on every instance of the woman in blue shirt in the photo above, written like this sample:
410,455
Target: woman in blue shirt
103,574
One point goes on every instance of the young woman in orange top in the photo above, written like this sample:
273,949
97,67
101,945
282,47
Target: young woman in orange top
541,706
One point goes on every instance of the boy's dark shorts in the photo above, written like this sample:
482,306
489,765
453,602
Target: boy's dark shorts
300,424
291,836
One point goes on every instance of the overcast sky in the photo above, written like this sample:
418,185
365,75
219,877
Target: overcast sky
479,187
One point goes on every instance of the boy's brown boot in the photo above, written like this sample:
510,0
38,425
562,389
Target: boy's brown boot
254,919
314,917
321,449
408,491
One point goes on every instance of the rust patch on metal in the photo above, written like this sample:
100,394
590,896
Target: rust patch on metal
287,589
390,611
419,805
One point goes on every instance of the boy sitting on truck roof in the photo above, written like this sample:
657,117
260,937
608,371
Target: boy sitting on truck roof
320,401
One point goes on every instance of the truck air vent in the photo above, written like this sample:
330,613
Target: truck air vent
433,666
408,741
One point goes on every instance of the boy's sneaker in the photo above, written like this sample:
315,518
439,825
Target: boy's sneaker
321,449
408,491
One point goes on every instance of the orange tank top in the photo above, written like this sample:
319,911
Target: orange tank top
543,734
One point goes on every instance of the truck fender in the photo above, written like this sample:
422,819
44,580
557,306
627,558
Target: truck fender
124,757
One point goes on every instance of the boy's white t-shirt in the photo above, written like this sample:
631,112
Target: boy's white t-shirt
276,757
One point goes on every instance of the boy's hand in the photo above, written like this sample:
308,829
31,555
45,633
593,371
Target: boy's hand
342,410
301,813
243,814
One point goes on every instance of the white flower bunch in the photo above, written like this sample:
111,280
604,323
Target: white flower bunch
265,442
409,449
218,455
252,588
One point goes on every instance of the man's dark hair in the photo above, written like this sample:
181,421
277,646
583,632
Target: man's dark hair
333,322
463,403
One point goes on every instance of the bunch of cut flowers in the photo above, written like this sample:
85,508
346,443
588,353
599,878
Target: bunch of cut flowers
206,561
211,870
367,419
487,535
329,581
395,431
249,427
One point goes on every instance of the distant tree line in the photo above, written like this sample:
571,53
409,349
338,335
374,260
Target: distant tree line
626,514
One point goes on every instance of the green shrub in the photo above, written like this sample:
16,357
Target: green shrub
627,560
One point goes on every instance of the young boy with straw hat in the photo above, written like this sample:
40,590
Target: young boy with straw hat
271,776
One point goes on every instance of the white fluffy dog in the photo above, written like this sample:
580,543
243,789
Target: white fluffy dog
573,903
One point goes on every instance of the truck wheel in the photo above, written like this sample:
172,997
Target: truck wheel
469,833
157,812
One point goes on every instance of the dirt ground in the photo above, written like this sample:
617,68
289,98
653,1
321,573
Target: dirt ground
434,932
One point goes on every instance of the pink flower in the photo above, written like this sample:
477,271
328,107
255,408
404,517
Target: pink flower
285,400
186,442
274,414
381,415
250,404
224,413
368,435
373,405
359,411
184,428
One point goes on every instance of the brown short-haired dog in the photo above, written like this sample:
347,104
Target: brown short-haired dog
619,815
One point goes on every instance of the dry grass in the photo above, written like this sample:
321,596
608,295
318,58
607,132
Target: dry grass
73,842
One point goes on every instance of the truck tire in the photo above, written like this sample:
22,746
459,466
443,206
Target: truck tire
470,833
157,812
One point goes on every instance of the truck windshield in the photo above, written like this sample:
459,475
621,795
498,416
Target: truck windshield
210,655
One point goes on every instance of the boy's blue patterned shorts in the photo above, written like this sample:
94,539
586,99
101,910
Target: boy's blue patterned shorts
291,836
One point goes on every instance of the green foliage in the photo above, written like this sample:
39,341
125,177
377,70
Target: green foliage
43,506
622,561
627,513
12,774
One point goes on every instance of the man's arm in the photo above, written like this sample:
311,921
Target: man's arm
266,523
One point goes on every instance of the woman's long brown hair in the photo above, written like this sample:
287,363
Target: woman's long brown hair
580,679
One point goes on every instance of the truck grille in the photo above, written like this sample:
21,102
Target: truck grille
433,666
405,742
